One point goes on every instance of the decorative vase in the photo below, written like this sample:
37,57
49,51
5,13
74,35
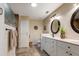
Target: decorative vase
62,35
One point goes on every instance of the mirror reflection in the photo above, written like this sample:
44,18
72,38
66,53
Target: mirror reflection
55,26
76,24
75,21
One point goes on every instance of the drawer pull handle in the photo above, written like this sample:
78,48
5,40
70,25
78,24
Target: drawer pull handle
70,54
68,47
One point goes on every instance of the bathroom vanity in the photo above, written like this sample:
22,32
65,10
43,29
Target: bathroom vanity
59,47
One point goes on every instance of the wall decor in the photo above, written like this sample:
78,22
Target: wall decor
55,26
1,11
44,27
35,27
75,21
62,32
9,16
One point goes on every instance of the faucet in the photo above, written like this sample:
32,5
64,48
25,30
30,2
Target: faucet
53,34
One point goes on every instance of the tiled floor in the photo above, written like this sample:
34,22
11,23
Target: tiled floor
33,51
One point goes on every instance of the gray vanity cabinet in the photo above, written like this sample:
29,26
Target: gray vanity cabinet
9,16
56,47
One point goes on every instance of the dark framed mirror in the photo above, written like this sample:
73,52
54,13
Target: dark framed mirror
35,27
75,21
55,26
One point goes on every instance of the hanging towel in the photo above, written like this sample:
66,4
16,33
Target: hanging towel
14,39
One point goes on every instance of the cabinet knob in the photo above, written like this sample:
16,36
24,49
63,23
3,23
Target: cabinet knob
70,54
66,51
69,47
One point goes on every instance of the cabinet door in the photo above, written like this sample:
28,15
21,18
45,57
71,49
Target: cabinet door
53,48
73,54
74,48
43,43
46,44
61,52
50,46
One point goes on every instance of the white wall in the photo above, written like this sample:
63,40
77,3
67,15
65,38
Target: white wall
35,35
2,32
3,35
65,11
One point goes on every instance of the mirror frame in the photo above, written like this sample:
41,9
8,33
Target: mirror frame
72,20
58,26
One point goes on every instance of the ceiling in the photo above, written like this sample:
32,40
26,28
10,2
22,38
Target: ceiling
38,13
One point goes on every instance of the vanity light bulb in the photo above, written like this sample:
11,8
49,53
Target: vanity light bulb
76,5
34,5
57,17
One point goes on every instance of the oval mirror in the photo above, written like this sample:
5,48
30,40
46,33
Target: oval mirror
55,26
75,21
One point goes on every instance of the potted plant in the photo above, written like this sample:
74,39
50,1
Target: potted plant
62,33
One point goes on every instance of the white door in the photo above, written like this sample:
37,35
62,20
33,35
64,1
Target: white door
24,33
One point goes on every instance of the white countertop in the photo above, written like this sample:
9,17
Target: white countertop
73,41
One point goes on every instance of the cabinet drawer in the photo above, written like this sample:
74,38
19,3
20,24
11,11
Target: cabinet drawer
61,51
69,47
75,48
73,54
63,45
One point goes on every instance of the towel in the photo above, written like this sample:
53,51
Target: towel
14,42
